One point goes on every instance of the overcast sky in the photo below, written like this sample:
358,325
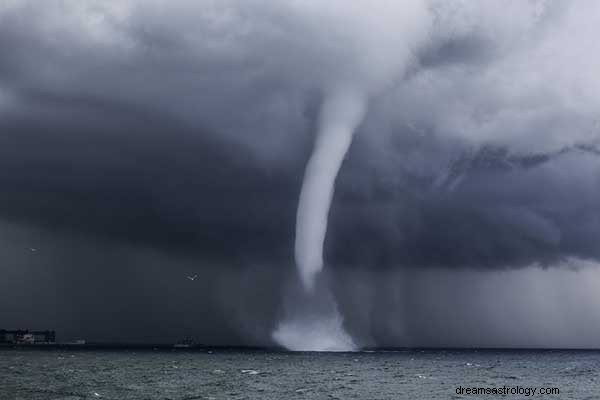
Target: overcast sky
145,141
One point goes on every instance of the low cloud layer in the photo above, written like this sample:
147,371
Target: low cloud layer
170,138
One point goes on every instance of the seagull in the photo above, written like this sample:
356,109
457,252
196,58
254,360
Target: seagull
191,278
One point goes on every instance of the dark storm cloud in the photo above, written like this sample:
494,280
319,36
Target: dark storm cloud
133,185
488,209
180,133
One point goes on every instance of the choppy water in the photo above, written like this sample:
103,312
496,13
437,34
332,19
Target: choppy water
61,374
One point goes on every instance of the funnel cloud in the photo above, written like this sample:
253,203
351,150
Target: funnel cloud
340,115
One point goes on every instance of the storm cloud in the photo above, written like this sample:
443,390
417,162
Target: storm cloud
144,141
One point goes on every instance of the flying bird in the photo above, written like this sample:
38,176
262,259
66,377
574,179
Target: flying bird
191,278
33,249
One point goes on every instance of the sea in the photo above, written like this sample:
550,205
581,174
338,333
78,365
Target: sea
67,374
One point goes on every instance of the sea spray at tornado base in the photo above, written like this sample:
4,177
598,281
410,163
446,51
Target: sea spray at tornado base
312,321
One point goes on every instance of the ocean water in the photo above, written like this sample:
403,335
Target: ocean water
227,374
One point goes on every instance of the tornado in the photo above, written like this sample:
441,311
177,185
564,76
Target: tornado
341,113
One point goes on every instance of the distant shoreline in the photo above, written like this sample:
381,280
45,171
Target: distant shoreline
207,348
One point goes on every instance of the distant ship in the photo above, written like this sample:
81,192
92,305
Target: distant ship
185,343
